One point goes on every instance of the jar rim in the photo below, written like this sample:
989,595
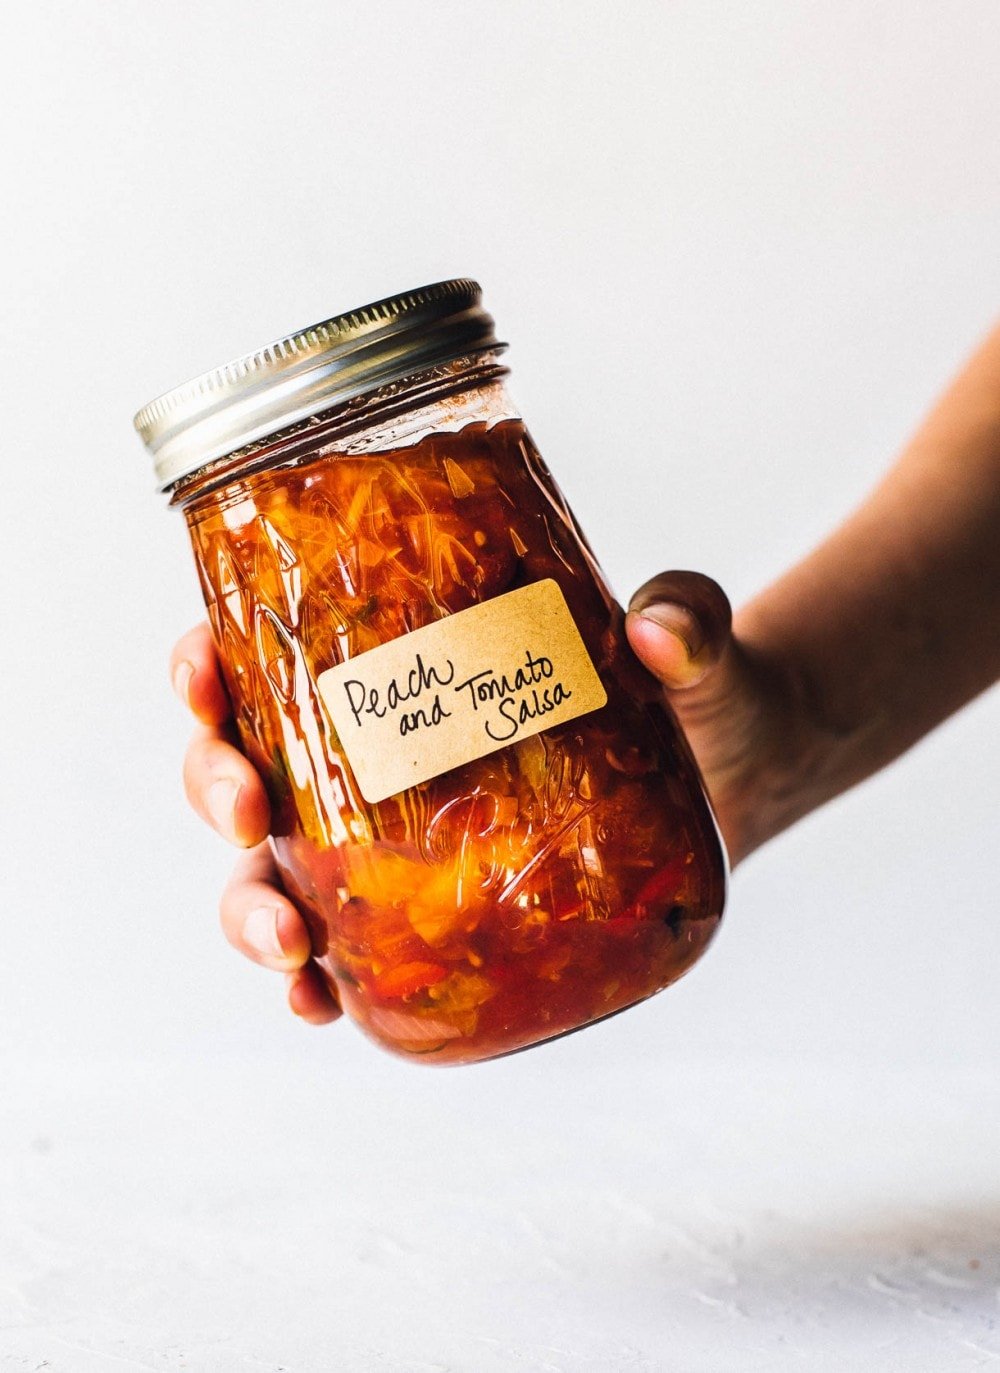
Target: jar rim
311,370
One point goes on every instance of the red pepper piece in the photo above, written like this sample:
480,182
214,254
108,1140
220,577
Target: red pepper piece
408,978
665,887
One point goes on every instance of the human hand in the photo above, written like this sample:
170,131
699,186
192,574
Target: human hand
225,790
741,709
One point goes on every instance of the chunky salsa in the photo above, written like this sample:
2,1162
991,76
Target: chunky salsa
513,898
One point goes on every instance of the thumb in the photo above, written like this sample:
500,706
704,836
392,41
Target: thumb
680,627
733,705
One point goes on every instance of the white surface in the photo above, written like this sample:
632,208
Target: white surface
736,249
233,1217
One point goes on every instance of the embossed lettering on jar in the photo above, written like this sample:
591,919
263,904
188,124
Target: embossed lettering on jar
481,806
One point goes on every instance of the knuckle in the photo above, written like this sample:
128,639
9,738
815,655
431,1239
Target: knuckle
182,648
189,777
229,917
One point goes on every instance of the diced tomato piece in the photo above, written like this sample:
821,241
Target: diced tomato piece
663,887
409,978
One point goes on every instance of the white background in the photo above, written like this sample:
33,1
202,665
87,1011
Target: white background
737,249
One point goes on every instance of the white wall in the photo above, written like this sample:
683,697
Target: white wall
736,248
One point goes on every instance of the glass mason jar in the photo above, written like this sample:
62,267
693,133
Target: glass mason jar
481,806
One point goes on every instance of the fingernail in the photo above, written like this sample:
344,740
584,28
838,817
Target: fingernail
678,621
260,932
221,803
183,673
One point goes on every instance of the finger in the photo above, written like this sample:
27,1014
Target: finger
196,677
310,997
258,919
224,789
680,625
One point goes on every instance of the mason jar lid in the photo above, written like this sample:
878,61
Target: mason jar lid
310,371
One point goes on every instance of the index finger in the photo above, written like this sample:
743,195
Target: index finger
197,677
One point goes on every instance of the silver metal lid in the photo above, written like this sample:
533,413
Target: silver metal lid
310,371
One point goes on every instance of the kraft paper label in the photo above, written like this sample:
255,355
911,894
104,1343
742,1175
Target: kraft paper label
460,688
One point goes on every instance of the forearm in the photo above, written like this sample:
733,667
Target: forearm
894,622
